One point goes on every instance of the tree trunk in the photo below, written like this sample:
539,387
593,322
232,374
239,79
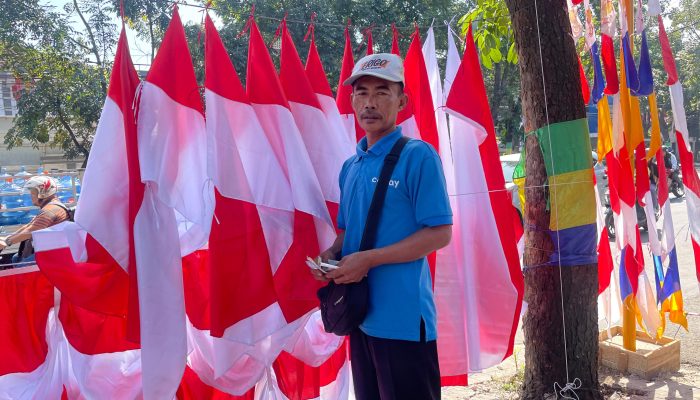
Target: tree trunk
545,361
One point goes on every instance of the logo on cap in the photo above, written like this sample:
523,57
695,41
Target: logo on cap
377,63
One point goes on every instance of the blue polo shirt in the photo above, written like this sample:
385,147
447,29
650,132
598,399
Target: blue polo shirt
400,295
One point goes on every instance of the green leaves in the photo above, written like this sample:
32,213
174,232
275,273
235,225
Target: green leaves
491,28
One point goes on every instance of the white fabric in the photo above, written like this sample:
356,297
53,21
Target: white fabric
576,26
452,64
161,297
653,8
608,25
326,150
64,235
45,382
472,336
336,123
173,156
678,109
288,146
445,147
174,220
104,199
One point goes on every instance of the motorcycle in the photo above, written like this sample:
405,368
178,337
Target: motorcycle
675,183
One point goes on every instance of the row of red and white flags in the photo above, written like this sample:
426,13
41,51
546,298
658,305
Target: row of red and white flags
621,142
183,274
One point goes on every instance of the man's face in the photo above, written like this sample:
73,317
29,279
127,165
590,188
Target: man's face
35,197
377,103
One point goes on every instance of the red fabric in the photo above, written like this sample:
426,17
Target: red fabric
476,107
99,285
395,41
174,64
642,179
94,333
605,262
690,175
262,84
315,72
24,310
420,100
237,267
296,292
220,76
343,96
662,185
292,75
612,84
295,287
370,41
192,388
585,90
691,181
299,381
458,380
667,54
241,276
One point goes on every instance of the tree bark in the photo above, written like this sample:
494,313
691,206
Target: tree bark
544,328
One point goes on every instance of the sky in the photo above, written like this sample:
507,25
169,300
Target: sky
140,49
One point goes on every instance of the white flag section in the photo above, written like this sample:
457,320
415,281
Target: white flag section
338,131
478,306
445,148
609,302
175,216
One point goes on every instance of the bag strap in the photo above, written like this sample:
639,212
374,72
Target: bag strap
369,236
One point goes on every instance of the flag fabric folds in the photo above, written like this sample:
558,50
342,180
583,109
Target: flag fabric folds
478,313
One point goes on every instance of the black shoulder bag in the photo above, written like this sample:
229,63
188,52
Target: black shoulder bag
344,306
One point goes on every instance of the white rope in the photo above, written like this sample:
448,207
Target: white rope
576,384
570,387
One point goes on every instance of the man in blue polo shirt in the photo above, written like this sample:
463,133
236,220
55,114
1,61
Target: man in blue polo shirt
393,353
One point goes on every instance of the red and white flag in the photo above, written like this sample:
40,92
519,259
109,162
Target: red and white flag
417,120
691,180
609,302
326,148
28,337
479,294
433,72
175,216
308,228
343,96
319,83
93,261
237,297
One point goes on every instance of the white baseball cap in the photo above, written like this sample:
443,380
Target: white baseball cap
381,65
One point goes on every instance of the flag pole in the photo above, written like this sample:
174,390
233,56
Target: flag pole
629,315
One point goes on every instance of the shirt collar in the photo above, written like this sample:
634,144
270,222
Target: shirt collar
381,147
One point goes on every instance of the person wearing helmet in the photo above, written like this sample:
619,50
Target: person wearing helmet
43,190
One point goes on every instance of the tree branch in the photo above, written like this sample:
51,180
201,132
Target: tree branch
63,121
95,50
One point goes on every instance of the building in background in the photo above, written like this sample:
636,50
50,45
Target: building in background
25,155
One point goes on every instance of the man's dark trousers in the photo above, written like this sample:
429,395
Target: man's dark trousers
388,369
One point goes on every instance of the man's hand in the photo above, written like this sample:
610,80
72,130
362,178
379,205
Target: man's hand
2,244
352,268
327,255
318,274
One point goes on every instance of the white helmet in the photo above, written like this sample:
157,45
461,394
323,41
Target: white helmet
44,185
